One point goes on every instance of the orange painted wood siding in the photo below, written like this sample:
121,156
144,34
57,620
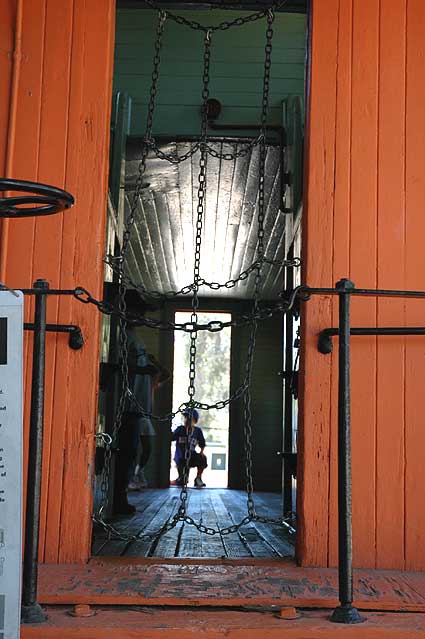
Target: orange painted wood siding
60,107
365,220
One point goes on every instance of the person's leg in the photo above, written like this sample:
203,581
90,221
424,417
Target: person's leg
200,461
146,441
180,479
124,460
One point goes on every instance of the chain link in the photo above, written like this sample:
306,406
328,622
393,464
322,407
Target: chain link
171,158
242,152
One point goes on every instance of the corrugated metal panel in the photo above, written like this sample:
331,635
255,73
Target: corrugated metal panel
161,252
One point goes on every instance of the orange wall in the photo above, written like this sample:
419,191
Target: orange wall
56,120
365,220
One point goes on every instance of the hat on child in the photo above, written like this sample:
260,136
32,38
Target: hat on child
195,413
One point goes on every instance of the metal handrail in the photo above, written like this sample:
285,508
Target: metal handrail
346,613
325,343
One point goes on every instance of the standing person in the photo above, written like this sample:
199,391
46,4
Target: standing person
154,380
189,434
134,424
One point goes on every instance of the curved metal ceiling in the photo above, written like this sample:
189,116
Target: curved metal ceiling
162,241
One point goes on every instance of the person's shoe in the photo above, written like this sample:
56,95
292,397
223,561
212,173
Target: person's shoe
199,483
133,485
177,482
141,480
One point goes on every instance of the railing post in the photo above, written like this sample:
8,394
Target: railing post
31,611
345,612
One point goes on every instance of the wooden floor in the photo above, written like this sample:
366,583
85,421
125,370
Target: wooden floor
214,507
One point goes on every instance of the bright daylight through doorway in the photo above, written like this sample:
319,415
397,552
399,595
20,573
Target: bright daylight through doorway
212,384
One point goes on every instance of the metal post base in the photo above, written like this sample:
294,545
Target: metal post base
32,613
346,613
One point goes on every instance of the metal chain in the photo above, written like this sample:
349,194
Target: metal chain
181,515
178,159
114,263
104,487
192,327
222,403
172,159
200,213
266,312
223,26
243,151
258,276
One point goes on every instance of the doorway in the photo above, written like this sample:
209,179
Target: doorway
212,383
161,247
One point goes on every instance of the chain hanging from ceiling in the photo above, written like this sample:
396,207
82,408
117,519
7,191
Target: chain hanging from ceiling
258,312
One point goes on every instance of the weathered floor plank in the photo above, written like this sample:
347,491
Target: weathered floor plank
215,508
118,581
263,540
124,623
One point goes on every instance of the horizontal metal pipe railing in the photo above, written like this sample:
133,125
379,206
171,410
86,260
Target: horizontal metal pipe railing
325,343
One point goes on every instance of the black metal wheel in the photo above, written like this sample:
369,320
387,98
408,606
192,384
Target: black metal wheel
45,199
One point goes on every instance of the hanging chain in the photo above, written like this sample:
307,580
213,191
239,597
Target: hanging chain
214,326
115,264
242,152
193,326
200,213
106,471
174,158
258,274
223,26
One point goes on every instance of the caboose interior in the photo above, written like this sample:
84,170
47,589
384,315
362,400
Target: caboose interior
161,258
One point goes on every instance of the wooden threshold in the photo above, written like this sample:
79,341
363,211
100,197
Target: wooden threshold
124,623
225,583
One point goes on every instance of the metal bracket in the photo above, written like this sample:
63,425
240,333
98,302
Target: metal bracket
76,339
325,343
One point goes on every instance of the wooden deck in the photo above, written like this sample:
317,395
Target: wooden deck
214,507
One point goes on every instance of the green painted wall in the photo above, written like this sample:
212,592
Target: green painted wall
267,408
236,68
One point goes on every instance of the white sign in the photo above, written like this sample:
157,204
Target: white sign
11,367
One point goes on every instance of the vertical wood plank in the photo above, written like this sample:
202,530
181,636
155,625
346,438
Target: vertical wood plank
47,254
341,234
24,165
363,255
66,306
312,543
91,191
415,269
7,26
390,454
10,64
